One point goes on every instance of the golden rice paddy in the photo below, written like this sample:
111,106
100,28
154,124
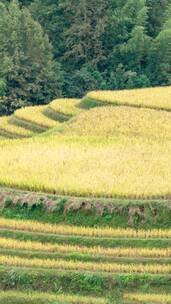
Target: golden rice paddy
113,151
156,98
88,266
110,151
128,121
122,167
97,250
35,115
19,255
106,232
65,106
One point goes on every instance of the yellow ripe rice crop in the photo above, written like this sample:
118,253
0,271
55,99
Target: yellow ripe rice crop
128,121
148,298
50,298
87,266
65,106
82,166
27,225
16,131
156,98
35,115
108,252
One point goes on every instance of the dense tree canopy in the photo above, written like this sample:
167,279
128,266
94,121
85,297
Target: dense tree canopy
67,47
27,70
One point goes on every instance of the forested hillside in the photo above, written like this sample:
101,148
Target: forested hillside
85,152
64,48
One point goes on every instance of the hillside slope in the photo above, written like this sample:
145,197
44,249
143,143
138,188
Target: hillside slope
29,121
63,250
109,121
99,231
112,151
155,98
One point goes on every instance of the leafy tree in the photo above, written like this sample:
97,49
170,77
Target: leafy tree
129,44
84,37
83,80
3,87
22,2
162,47
156,15
127,79
136,49
28,74
160,54
107,44
55,21
75,29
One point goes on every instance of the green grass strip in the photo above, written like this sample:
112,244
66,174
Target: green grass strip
13,297
84,283
26,124
85,241
50,113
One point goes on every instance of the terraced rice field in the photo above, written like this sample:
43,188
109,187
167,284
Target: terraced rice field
83,231
121,167
121,151
126,149
35,115
111,121
155,98
8,130
29,121
44,254
66,107
99,251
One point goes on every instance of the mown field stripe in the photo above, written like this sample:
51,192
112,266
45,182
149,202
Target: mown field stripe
85,241
30,126
34,226
148,298
23,297
86,266
82,257
50,113
97,250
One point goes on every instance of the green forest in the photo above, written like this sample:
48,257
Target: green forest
65,48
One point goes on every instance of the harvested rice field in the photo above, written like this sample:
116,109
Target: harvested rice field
85,194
